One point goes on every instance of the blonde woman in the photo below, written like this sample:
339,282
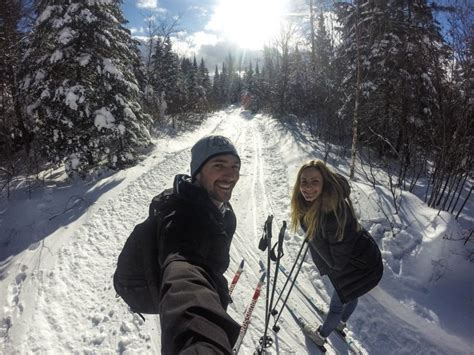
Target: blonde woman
340,249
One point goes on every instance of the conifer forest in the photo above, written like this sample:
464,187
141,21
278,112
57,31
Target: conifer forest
392,81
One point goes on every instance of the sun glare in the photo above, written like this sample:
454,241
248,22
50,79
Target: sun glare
248,23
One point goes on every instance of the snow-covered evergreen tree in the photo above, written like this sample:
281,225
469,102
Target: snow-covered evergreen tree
222,85
203,77
215,93
80,82
163,82
14,129
401,54
197,93
299,83
323,81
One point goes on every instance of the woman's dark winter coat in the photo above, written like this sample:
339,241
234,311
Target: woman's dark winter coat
354,264
194,239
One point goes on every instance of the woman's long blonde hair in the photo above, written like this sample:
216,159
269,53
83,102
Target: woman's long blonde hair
331,199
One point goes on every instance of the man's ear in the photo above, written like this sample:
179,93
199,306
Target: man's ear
197,179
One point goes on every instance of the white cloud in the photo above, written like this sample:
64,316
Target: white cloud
213,48
202,38
136,31
199,10
147,4
188,44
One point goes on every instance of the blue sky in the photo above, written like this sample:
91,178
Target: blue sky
194,14
214,28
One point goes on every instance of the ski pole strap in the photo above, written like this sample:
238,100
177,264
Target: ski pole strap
279,244
267,234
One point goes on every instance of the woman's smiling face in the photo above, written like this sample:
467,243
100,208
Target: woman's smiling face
311,184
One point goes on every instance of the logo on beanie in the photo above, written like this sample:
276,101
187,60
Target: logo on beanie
220,142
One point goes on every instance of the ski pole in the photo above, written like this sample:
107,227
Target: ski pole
288,278
265,244
267,341
276,328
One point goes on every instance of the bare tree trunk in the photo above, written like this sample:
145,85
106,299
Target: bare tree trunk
455,178
455,191
313,42
459,193
355,120
415,179
446,183
464,203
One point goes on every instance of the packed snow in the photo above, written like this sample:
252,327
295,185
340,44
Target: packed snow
59,249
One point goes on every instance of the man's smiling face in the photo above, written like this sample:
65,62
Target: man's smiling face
219,176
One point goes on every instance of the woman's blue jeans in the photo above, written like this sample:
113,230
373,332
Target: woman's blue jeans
337,312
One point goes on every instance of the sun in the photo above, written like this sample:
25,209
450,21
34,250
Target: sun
248,23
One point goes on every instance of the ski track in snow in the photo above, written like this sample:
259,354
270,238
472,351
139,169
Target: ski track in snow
61,298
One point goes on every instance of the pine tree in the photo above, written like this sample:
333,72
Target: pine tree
82,90
163,93
248,88
215,93
197,92
223,85
257,91
323,47
203,77
269,80
232,88
15,132
401,51
299,91
323,83
154,90
169,76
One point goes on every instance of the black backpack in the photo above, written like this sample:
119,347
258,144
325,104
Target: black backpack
137,277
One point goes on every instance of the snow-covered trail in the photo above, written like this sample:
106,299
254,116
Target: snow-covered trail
59,297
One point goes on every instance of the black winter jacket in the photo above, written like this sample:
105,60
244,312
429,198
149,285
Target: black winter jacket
194,239
354,264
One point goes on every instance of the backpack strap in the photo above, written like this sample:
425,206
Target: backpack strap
153,280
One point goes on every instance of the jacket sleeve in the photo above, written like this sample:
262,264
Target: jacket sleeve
336,254
192,318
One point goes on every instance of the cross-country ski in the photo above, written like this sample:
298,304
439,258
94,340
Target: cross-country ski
248,313
305,326
236,277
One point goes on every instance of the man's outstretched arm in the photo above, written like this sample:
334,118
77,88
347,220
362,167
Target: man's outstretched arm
192,318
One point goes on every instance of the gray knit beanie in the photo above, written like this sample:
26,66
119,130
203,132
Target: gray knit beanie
207,148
